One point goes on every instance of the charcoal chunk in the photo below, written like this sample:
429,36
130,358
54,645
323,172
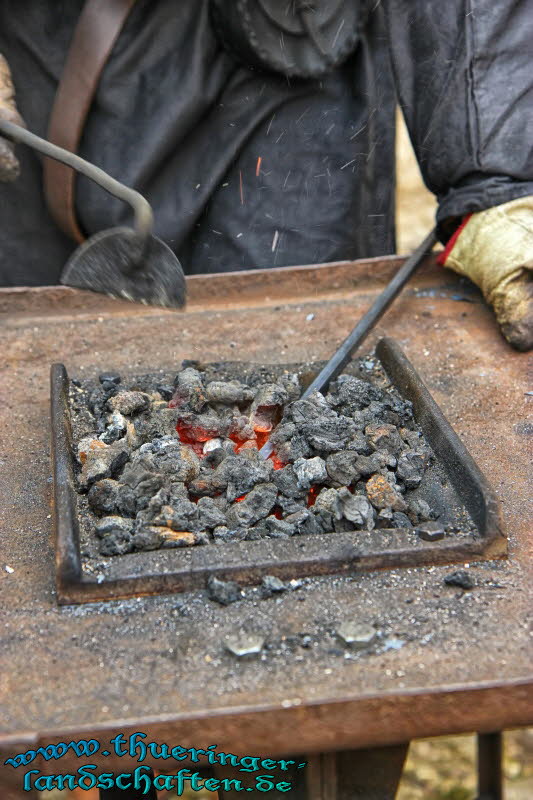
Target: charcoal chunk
270,395
115,428
103,462
189,391
144,483
295,448
354,393
110,377
223,534
102,497
460,578
278,528
410,469
160,423
283,433
329,435
400,520
179,462
305,522
368,465
382,495
117,543
147,538
238,474
328,501
165,390
291,384
173,539
183,516
128,403
419,510
228,392
271,585
257,504
209,514
115,534
128,502
287,482
290,505
356,509
110,524
359,443
223,592
310,471
384,518
384,437
341,467
312,408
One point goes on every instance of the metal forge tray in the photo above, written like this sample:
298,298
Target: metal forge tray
164,571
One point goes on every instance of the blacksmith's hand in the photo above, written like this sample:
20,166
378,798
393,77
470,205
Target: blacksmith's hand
9,165
494,248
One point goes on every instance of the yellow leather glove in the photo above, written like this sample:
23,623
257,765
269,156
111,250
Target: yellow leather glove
9,165
494,249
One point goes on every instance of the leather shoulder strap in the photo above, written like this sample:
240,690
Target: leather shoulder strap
97,30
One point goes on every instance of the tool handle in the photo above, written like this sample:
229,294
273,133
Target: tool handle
344,353
141,207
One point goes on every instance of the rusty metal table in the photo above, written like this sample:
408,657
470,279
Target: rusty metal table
156,664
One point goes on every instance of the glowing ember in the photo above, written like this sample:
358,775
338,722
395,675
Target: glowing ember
194,436
312,496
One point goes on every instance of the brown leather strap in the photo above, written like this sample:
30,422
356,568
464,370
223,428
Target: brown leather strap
97,29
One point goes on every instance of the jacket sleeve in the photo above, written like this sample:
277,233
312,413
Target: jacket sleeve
465,84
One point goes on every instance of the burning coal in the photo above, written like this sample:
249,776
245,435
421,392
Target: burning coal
173,466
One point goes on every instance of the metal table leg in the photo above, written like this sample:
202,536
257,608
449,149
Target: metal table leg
489,766
349,775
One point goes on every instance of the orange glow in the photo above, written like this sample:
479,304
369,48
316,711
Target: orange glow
312,496
194,436
240,499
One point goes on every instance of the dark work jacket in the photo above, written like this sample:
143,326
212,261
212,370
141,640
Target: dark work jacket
184,122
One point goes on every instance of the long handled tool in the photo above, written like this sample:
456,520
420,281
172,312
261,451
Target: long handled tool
345,352
127,263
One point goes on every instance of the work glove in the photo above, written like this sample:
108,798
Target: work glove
494,248
9,165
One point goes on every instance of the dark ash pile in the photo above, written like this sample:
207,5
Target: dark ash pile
172,466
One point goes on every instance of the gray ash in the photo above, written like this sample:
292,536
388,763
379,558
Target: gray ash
173,462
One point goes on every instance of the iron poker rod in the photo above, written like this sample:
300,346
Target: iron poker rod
345,352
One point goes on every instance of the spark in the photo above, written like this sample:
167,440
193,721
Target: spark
338,33
275,241
258,167
357,133
270,124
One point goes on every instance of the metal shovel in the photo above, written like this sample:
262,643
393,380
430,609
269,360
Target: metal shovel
127,263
